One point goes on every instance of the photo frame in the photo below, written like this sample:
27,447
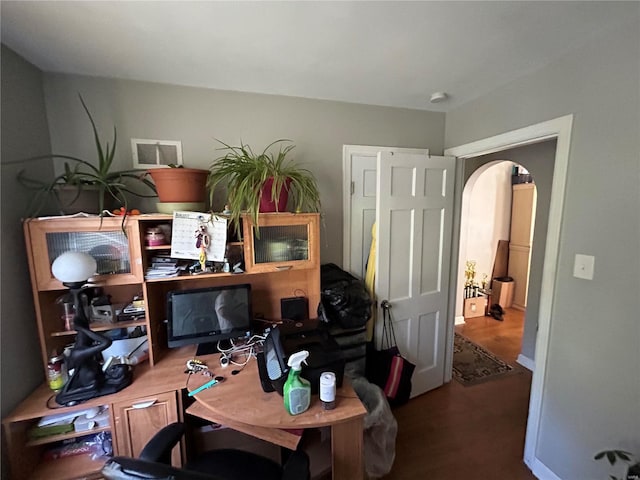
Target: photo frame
149,153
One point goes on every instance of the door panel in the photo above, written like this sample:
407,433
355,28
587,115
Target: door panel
414,221
363,209
400,222
136,422
431,242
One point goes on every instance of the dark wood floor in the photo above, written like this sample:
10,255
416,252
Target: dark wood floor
457,432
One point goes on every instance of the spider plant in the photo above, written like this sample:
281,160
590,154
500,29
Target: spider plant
245,174
80,174
613,455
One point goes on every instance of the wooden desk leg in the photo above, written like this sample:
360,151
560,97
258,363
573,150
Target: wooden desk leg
346,450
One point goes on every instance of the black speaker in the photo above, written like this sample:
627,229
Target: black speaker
294,308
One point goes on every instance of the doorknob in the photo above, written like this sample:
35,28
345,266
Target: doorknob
385,305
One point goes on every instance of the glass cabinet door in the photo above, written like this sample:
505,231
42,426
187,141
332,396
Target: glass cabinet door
116,250
282,241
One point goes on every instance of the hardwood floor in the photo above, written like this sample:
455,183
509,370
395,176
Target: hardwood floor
457,432
503,338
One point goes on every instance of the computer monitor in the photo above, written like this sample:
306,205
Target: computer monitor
205,316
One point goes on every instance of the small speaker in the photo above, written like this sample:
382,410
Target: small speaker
294,308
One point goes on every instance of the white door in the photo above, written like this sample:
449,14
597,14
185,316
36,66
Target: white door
360,207
360,184
414,212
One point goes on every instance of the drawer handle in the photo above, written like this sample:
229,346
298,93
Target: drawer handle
284,267
144,404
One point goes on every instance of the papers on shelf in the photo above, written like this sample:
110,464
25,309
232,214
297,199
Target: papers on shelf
163,267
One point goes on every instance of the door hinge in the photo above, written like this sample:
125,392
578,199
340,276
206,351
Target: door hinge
353,188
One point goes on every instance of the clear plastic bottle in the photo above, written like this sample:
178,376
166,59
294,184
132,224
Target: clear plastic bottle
328,390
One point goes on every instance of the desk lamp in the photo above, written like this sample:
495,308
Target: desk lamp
73,269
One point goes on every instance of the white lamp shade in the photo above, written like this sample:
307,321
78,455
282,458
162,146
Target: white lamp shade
73,267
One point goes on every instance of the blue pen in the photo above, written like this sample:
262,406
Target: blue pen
209,384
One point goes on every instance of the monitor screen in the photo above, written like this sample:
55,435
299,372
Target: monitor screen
209,314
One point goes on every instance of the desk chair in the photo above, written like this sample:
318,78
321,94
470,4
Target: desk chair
154,462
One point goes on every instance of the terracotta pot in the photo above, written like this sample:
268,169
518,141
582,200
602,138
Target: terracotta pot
180,184
267,204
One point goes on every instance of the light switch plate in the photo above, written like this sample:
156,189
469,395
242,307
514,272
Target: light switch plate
583,266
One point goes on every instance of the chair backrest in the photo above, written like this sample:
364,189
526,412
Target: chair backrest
155,462
158,449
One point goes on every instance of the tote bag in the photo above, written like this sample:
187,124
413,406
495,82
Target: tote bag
386,367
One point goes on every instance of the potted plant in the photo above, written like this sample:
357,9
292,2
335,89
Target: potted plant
262,182
633,471
176,184
81,177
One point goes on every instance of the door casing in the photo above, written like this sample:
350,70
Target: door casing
560,129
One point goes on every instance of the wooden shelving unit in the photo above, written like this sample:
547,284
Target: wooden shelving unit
65,436
69,468
159,380
103,327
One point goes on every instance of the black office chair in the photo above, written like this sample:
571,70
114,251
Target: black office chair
154,462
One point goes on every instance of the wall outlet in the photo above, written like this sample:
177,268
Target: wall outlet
583,266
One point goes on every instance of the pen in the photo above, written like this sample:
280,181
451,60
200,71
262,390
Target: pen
209,384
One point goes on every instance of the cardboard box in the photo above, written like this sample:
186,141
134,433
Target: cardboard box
475,307
502,292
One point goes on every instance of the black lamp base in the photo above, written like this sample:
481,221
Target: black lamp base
115,379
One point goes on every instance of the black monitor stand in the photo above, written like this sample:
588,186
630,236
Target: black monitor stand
207,348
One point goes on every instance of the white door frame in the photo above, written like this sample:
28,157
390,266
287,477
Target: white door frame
559,128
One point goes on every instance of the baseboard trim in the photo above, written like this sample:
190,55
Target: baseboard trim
526,362
459,320
542,472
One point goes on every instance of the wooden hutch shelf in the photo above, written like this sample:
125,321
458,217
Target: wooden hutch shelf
286,265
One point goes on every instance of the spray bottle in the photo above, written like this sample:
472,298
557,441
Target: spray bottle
297,390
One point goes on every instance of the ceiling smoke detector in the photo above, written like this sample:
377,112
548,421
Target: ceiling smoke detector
438,97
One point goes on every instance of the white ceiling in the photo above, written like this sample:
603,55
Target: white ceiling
381,53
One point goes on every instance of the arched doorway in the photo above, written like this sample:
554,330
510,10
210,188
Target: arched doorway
496,227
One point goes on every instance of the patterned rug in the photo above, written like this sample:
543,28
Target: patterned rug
472,364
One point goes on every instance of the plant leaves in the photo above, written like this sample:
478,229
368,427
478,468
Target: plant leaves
82,173
626,456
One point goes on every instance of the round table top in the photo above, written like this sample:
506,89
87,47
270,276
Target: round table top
240,397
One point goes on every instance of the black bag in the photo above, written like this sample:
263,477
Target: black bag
386,367
344,299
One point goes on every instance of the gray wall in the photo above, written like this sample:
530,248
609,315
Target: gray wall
197,116
146,110
539,159
24,134
592,386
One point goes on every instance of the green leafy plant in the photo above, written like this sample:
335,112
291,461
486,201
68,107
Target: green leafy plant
245,173
612,457
80,175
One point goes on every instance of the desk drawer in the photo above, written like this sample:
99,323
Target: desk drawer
135,422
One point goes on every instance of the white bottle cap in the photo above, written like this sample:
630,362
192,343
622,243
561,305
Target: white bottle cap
327,387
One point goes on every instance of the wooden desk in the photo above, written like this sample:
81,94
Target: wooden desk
240,403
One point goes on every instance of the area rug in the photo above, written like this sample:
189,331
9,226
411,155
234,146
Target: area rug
472,364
